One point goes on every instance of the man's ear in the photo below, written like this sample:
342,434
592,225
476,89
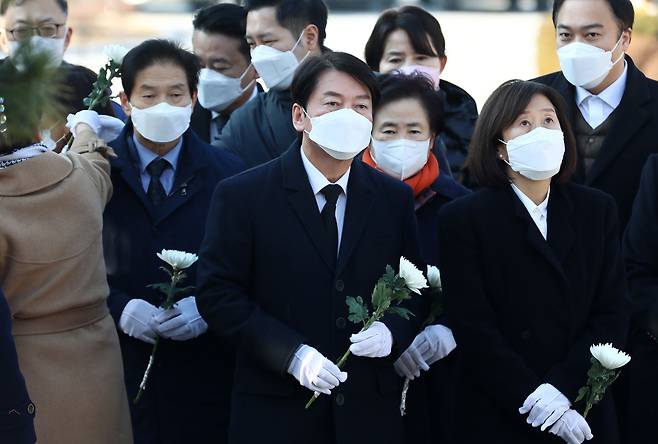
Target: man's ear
443,60
125,103
311,39
298,118
67,38
194,97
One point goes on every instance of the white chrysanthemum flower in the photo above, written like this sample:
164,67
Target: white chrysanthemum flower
179,260
434,277
609,356
412,276
116,53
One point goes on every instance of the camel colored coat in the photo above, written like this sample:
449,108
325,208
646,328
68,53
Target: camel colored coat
53,275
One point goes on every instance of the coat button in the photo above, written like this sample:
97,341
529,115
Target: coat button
341,323
340,285
526,335
340,400
30,408
590,140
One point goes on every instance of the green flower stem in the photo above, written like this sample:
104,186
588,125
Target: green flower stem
168,303
588,407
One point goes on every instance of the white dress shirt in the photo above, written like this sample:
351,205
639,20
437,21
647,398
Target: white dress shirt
538,213
146,156
597,108
318,182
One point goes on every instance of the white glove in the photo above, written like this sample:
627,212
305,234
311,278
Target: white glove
182,322
107,128
137,320
314,371
572,428
546,405
376,342
432,344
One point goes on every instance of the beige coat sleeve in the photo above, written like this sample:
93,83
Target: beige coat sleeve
92,154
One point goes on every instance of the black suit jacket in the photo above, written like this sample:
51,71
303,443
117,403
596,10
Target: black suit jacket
16,410
632,137
267,284
524,310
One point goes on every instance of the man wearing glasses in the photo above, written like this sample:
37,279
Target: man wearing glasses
44,23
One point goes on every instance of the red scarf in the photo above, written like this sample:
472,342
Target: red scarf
420,181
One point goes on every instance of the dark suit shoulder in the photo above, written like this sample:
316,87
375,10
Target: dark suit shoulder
254,180
549,79
229,161
586,198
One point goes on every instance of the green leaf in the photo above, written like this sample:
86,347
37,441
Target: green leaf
401,311
582,393
161,287
358,312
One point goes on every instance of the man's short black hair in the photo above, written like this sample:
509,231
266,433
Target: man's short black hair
396,87
225,19
4,5
423,30
295,15
309,73
622,9
156,51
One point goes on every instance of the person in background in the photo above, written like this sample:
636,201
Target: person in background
45,24
407,120
409,39
533,277
641,258
281,34
227,80
16,409
275,269
163,179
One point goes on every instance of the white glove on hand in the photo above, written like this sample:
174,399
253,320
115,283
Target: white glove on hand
137,320
546,405
107,128
432,344
572,428
314,371
376,342
182,322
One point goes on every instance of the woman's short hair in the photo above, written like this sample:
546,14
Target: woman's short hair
423,29
500,111
394,87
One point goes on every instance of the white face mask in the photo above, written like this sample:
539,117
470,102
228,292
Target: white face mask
276,68
342,134
538,154
218,91
401,158
586,65
161,123
53,47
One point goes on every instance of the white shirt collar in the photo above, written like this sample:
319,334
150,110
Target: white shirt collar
318,180
612,95
529,204
214,114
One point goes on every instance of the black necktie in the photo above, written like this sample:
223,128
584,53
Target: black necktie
328,215
156,192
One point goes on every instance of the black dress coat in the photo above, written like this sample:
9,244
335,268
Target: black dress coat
524,311
16,409
641,258
631,139
187,398
268,284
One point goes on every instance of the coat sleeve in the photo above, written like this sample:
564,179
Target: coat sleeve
608,317
93,153
16,417
224,275
117,301
484,352
641,249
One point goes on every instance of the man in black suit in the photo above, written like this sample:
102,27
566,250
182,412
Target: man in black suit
16,409
285,244
227,80
613,105
281,34
45,23
641,257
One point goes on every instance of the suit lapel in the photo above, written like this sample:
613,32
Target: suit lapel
630,117
302,200
360,198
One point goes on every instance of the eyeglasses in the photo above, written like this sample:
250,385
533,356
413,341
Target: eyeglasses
25,32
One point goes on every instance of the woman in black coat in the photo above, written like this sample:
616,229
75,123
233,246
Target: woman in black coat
16,409
533,277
